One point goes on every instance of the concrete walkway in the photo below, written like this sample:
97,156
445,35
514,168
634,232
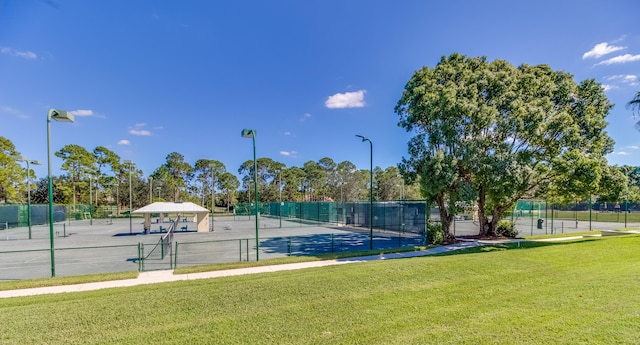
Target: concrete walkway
168,276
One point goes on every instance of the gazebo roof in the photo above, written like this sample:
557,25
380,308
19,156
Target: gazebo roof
172,207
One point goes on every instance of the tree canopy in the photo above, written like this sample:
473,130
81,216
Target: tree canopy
492,133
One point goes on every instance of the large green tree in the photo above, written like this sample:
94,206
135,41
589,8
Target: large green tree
208,173
494,132
107,165
228,184
10,172
80,165
175,174
388,184
268,171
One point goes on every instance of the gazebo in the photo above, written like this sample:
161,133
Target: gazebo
200,214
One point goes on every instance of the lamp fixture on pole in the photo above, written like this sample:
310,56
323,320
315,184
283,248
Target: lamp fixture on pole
28,161
213,195
130,164
251,133
90,201
150,189
62,116
370,189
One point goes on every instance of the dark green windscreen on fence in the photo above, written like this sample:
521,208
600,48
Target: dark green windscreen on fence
410,216
17,215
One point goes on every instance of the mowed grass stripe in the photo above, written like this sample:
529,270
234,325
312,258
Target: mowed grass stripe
561,293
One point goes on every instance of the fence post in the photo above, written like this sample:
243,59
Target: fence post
139,258
240,249
332,251
142,256
247,249
289,245
175,257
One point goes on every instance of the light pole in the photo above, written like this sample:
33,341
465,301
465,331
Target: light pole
370,189
62,116
90,202
118,198
158,189
213,195
280,196
251,133
150,189
626,205
130,163
25,159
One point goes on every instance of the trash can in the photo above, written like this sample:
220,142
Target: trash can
540,221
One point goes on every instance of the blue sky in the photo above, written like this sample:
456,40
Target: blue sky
147,78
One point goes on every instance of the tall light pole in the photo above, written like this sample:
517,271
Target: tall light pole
370,189
158,189
90,201
62,116
25,159
280,196
118,198
251,133
213,195
150,189
130,163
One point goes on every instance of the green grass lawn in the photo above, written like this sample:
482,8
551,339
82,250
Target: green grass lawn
57,281
580,292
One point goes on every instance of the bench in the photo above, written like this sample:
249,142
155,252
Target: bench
184,228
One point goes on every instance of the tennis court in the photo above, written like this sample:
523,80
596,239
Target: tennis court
100,246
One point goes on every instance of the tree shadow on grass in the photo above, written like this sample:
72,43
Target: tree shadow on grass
523,244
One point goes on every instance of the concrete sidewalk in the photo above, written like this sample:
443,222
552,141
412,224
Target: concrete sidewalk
168,276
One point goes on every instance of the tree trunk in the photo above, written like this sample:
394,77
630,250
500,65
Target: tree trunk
446,219
486,228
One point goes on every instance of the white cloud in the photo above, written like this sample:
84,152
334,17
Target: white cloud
601,49
305,116
622,153
287,133
137,129
124,142
82,112
629,79
632,147
346,100
288,153
620,59
141,132
29,55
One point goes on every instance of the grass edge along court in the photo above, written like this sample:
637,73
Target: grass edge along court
584,291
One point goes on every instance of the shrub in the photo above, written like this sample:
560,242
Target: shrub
434,233
507,228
